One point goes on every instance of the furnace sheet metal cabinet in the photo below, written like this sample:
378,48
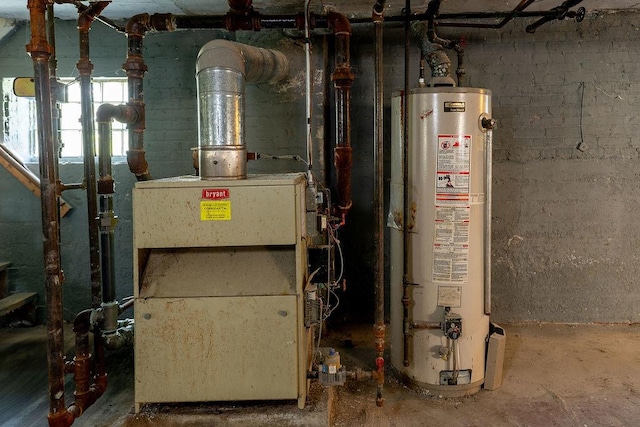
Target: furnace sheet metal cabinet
219,272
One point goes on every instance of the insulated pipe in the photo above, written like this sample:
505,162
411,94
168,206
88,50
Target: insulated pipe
222,69
378,131
85,67
40,51
342,79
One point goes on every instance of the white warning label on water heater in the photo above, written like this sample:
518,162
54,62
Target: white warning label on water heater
452,171
450,263
452,210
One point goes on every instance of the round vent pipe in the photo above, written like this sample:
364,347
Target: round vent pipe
222,69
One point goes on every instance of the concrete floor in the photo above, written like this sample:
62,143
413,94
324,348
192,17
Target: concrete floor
555,375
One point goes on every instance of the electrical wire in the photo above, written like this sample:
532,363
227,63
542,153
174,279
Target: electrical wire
339,246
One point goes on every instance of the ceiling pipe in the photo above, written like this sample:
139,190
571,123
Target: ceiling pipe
378,202
514,13
555,13
559,13
40,51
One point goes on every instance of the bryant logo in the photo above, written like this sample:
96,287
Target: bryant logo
215,193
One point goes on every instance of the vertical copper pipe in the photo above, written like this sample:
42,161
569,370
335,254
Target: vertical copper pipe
378,131
342,79
40,51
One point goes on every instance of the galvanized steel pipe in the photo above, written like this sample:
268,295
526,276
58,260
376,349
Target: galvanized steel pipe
222,69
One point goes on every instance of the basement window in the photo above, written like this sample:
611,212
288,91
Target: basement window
20,123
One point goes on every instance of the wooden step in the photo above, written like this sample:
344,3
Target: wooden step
15,301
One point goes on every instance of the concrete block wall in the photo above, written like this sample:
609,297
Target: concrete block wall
172,130
564,244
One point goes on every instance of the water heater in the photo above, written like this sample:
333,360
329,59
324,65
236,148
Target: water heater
439,308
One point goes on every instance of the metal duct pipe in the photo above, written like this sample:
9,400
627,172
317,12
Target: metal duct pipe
40,51
222,69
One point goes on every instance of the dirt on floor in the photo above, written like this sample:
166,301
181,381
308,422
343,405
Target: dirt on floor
554,375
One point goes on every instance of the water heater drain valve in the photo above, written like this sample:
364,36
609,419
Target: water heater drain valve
452,326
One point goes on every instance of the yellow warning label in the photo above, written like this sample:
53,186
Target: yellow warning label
215,210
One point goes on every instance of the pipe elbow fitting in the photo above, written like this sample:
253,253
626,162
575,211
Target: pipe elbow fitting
339,23
137,162
138,25
162,22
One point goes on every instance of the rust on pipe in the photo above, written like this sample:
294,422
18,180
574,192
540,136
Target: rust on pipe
342,78
85,68
135,68
86,392
40,51
240,5
378,131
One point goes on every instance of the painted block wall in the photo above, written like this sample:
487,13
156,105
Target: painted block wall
564,235
170,95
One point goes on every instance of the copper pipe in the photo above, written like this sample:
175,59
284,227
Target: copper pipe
40,51
342,78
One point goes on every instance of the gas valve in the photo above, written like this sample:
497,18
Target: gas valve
452,326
